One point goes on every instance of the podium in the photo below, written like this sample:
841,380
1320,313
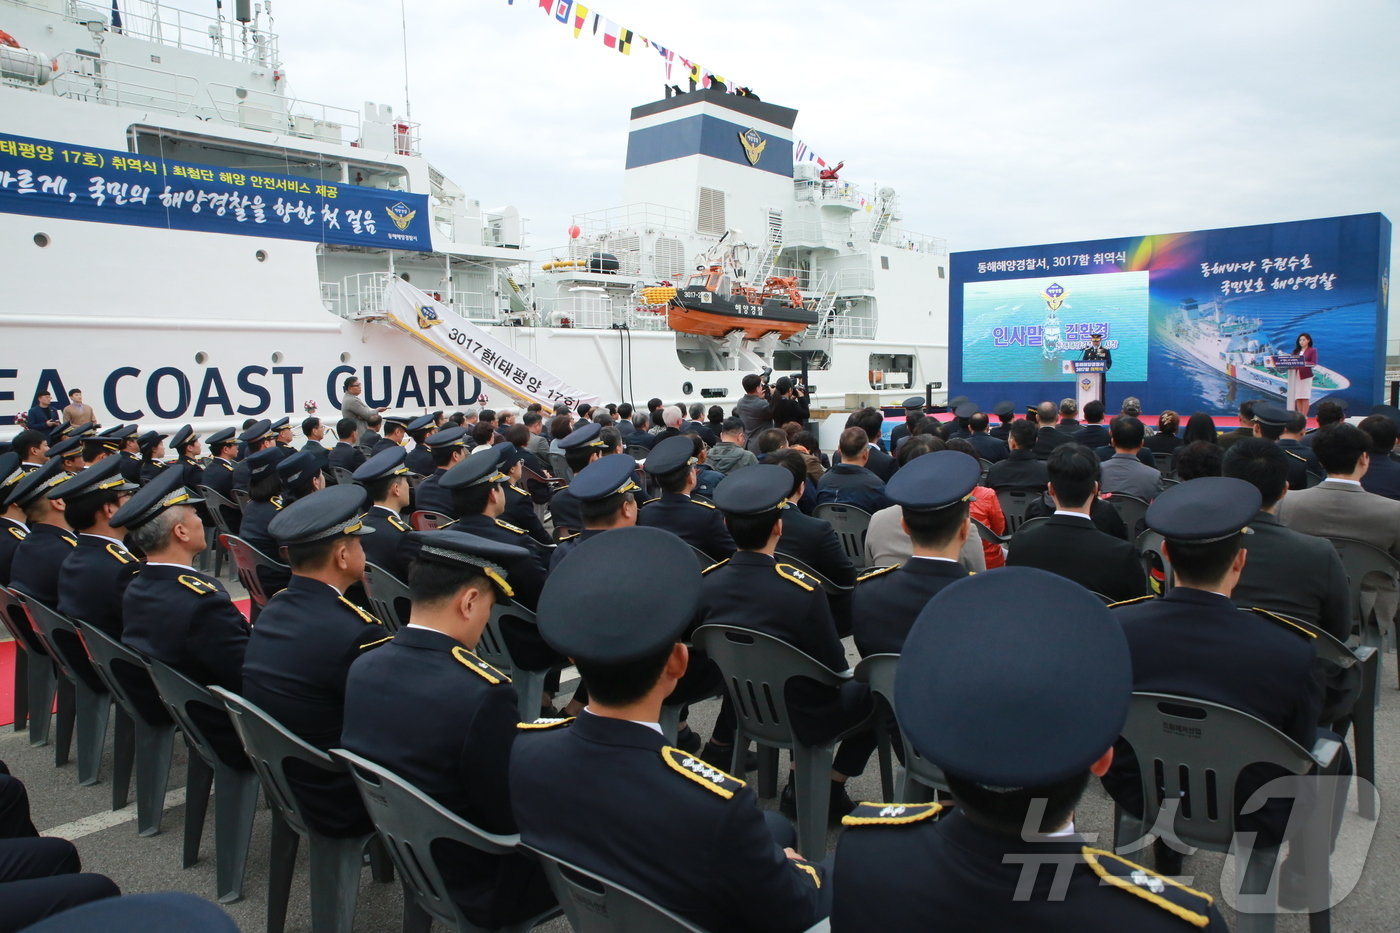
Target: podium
1290,362
1088,380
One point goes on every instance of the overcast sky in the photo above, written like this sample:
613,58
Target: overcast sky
1000,124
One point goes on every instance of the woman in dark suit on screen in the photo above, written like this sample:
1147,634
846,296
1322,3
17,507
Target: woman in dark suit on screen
1304,347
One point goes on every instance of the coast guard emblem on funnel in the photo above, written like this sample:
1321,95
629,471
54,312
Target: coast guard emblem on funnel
754,144
400,214
427,316
1054,295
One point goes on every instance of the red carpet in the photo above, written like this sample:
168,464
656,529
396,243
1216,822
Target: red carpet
7,672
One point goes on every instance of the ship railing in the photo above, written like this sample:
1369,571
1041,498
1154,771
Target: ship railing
573,311
96,80
633,218
848,280
812,189
647,317
817,234
331,297
363,294
265,110
473,306
898,238
183,29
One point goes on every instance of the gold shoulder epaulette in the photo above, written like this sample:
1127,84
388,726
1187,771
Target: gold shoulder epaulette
399,523
376,643
19,533
714,566
509,527
72,541
542,725
202,587
517,489
227,466
276,502
891,814
120,553
708,505
563,538
878,572
701,772
477,666
808,581
1129,602
1281,620
1172,896
368,618
650,501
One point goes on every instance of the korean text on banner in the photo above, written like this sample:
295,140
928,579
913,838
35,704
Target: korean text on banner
456,339
52,179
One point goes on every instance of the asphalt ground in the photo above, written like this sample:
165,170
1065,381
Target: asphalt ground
1363,864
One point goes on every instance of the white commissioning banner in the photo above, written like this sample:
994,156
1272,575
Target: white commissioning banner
470,347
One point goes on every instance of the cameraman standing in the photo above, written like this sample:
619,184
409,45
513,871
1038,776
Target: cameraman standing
754,408
790,403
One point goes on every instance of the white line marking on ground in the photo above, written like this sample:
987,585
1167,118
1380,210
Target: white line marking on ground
100,821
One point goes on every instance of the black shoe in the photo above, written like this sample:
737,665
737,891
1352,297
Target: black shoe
1166,859
840,803
722,757
787,801
689,740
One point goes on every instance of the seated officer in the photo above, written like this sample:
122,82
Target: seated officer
385,480
256,437
631,797
39,877
177,614
696,522
69,453
520,506
152,447
97,448
1053,680
265,501
218,473
187,449
810,540
752,590
581,446
933,492
395,433
39,558
607,499
447,449
398,699
1195,642
97,572
12,527
306,638
300,475
420,460
130,457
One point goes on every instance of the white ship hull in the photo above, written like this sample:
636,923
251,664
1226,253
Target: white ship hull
1189,334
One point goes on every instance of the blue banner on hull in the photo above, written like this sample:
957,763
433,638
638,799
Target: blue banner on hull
52,179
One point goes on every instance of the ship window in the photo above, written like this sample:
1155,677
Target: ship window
260,255
940,272
41,240
345,357
884,262
710,213
201,358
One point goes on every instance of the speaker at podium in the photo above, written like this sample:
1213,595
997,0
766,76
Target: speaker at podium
1088,379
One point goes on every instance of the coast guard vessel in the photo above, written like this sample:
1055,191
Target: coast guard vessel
187,242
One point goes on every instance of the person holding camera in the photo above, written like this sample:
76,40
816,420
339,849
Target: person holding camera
790,402
755,408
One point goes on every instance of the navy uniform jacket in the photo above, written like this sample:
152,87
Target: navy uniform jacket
1296,574
253,529
901,867
564,511
38,561
1092,435
814,542
388,546
852,485
346,457
1047,439
131,467
101,570
241,475
567,544
150,468
694,521
218,476
751,590
520,512
1301,462
194,473
185,618
989,448
1198,644
318,450
420,461
381,445
660,822
431,497
297,662
887,601
11,534
1072,547
1000,431
1383,477
435,714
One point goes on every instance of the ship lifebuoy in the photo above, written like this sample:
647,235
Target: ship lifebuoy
7,39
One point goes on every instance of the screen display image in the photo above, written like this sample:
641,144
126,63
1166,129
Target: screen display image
1195,321
1022,330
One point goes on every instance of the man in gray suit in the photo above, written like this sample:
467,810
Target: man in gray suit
1287,571
352,406
1339,507
1123,472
